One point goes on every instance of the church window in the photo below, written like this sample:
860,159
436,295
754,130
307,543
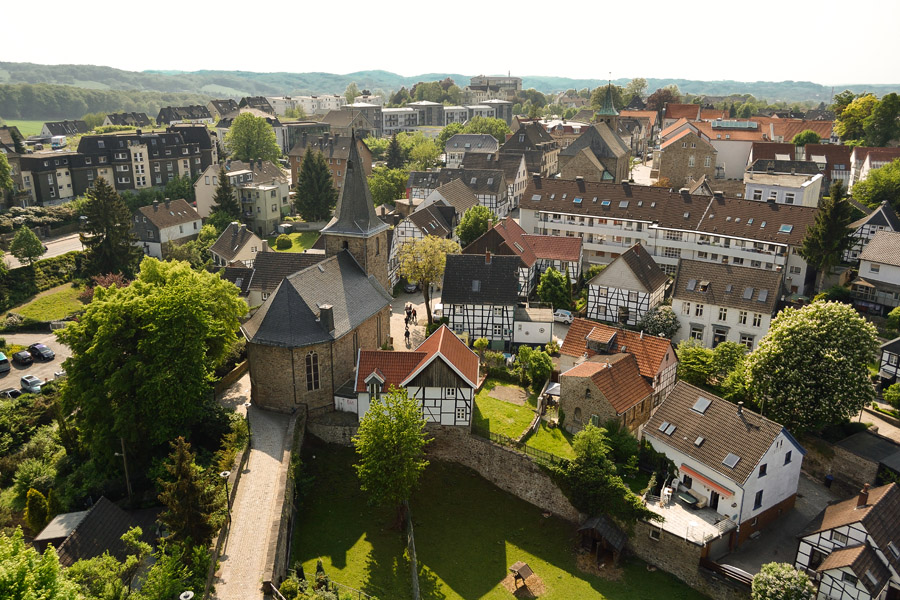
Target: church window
312,371
377,246
345,244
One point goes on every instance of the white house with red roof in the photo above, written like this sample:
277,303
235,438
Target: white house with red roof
441,374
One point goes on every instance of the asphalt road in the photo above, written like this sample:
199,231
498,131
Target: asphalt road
55,247
43,370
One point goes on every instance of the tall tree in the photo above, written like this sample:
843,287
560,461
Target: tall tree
18,145
181,186
658,99
781,581
473,224
27,575
395,158
6,180
316,195
26,246
123,379
882,184
424,154
387,185
192,499
225,199
554,289
351,92
841,101
390,445
252,138
811,368
424,261
830,234
807,136
850,126
636,87
620,98
109,243
883,126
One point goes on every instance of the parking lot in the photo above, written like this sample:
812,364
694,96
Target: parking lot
43,370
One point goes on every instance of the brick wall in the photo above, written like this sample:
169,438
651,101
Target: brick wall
674,161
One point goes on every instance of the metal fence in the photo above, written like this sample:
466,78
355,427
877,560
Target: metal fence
537,454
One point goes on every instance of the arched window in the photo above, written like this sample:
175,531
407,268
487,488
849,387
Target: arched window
345,244
377,246
578,414
312,371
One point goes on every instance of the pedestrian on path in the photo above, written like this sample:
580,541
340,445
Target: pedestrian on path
414,317
406,335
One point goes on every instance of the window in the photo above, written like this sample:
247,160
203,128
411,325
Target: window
632,296
672,252
698,310
747,340
892,360
655,533
757,194
207,179
601,291
461,413
687,481
762,469
787,457
873,268
723,314
686,308
706,161
757,502
757,319
742,317
274,208
839,538
851,579
450,392
789,198
691,160
795,270
312,371
497,330
697,333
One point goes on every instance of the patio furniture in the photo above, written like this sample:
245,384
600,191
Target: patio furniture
687,499
521,570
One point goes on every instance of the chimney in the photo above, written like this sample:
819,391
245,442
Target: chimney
626,187
863,499
740,408
155,205
326,317
167,203
536,177
642,334
579,182
487,257
685,193
138,132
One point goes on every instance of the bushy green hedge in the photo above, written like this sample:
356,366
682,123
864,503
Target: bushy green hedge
39,216
18,285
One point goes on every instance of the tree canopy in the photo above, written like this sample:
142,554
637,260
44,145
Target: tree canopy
811,368
107,237
555,289
620,97
316,195
473,224
882,125
830,235
26,246
225,200
424,261
143,357
636,87
390,444
351,92
252,138
807,136
27,575
395,157
660,320
6,180
850,124
658,99
491,126
193,500
882,185
781,581
387,185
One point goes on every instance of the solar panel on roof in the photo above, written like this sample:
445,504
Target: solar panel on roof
731,460
692,284
701,404
763,295
748,293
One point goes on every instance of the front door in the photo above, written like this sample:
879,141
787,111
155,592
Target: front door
714,501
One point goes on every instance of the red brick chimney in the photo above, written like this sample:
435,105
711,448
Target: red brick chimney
487,257
863,499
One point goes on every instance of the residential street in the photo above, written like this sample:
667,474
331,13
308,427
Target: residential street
55,247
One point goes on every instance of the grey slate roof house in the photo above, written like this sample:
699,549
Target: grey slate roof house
160,225
480,294
64,128
237,244
599,143
220,108
196,113
127,119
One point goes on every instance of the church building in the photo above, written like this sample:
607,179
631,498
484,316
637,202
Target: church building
303,341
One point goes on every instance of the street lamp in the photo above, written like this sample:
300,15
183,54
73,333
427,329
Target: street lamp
186,595
225,475
125,463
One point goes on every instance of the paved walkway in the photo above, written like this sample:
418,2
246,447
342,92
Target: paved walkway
258,501
416,332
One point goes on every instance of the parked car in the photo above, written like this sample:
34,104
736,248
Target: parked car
22,358
562,316
410,287
41,352
4,364
10,393
437,313
31,384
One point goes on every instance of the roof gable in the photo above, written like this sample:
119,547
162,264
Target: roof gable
650,351
884,248
618,379
637,261
497,280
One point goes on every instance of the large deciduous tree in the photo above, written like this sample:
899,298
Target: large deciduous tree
636,87
554,289
850,125
26,575
316,194
829,236
882,185
424,261
781,581
882,125
351,92
252,138
193,500
473,224
658,99
660,320
811,368
390,445
26,246
144,356
620,98
107,236
807,136
387,185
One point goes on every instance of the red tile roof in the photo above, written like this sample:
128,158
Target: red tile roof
453,350
760,134
676,110
514,236
555,247
788,128
668,130
640,114
650,351
618,380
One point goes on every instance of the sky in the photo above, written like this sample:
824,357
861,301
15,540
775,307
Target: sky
828,42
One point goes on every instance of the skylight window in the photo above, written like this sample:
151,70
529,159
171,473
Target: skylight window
605,203
518,247
623,204
474,179
664,426
763,295
699,441
595,199
692,285
785,229
536,198
670,429
871,577
701,405
750,221
576,200
894,550
748,293
763,224
553,196
728,288
476,285
564,196
640,202
731,460
653,205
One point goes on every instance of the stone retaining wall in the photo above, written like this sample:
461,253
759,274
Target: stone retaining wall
850,471
280,533
332,434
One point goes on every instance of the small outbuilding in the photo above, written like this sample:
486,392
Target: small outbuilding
601,536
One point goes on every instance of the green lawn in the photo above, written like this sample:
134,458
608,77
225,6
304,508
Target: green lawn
555,441
302,241
57,303
26,128
468,532
499,416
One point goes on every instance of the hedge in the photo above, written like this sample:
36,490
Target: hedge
18,285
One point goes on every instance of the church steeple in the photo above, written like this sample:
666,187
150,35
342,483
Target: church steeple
355,226
608,113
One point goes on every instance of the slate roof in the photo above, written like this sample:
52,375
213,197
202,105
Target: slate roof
472,142
168,114
497,280
290,316
601,140
891,346
781,167
355,213
884,248
760,221
618,379
536,137
510,164
225,121
883,216
649,350
232,240
270,268
771,150
133,119
728,286
66,127
258,102
434,220
344,118
239,276
460,197
331,145
747,435
262,169
178,212
639,262
555,247
224,107
863,561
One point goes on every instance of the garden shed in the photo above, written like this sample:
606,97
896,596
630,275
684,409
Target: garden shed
601,536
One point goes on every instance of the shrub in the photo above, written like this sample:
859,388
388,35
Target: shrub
33,473
892,395
35,510
837,293
283,242
552,348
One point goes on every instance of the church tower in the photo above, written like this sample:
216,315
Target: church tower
355,226
608,113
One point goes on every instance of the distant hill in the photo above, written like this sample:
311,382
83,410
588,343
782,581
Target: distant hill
241,83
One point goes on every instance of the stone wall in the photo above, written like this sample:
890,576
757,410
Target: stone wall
332,434
281,529
850,471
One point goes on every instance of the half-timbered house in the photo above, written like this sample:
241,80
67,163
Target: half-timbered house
881,219
441,374
729,459
508,239
852,548
889,365
438,220
627,289
480,296
656,358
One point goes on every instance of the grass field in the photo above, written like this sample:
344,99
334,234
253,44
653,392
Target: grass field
468,532
26,128
500,416
301,241
55,303
555,441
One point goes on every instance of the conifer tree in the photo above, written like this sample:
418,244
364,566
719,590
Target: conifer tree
225,201
191,500
394,154
316,194
107,237
829,236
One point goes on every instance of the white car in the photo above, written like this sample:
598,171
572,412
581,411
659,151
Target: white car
562,316
31,384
